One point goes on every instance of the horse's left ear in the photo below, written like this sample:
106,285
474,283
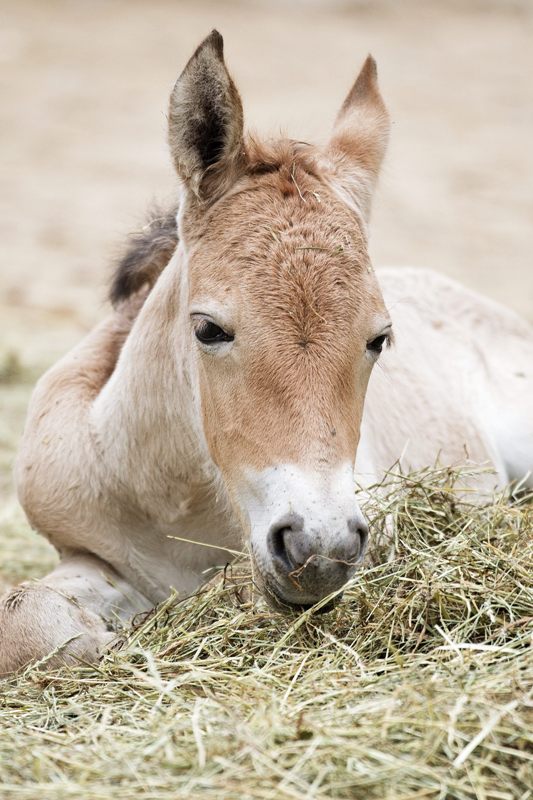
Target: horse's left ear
359,139
205,126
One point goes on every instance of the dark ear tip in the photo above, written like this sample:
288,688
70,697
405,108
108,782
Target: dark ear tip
212,43
216,41
370,68
366,82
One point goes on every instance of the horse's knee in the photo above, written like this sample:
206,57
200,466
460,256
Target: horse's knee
37,622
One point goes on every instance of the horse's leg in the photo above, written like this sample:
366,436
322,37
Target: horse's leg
69,616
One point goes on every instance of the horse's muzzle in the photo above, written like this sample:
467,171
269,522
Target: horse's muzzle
303,567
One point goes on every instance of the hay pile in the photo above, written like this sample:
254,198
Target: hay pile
418,685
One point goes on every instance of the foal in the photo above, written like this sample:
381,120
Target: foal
222,401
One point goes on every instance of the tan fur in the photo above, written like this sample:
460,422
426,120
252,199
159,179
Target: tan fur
141,438
360,138
305,302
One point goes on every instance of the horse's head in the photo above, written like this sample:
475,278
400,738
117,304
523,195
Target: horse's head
286,318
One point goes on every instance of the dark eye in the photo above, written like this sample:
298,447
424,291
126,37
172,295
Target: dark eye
209,333
376,345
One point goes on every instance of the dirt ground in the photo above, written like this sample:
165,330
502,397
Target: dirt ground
84,89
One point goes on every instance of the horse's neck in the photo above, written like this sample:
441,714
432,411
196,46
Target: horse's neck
146,418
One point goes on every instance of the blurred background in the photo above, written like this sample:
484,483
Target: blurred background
83,134
84,87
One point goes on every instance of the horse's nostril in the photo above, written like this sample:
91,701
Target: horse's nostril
360,529
363,537
278,546
278,541
291,548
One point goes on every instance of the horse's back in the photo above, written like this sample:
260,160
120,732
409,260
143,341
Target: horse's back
455,386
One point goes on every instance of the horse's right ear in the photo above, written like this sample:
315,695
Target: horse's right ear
206,123
360,138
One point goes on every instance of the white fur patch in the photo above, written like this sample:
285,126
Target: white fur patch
325,501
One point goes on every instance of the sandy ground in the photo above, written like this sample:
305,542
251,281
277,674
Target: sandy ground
84,89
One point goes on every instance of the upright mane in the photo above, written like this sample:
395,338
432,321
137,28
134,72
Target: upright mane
145,255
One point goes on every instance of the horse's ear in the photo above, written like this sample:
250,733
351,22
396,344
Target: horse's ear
206,123
360,138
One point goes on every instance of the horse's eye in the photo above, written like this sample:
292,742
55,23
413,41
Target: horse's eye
376,345
209,333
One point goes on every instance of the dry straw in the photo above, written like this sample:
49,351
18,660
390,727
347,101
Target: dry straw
418,685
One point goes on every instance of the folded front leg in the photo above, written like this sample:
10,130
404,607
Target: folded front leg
69,616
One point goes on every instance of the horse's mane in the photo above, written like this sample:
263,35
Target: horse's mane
146,254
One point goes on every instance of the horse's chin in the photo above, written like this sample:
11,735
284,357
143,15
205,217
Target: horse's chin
279,603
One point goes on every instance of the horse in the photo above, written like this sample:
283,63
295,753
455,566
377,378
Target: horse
227,399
